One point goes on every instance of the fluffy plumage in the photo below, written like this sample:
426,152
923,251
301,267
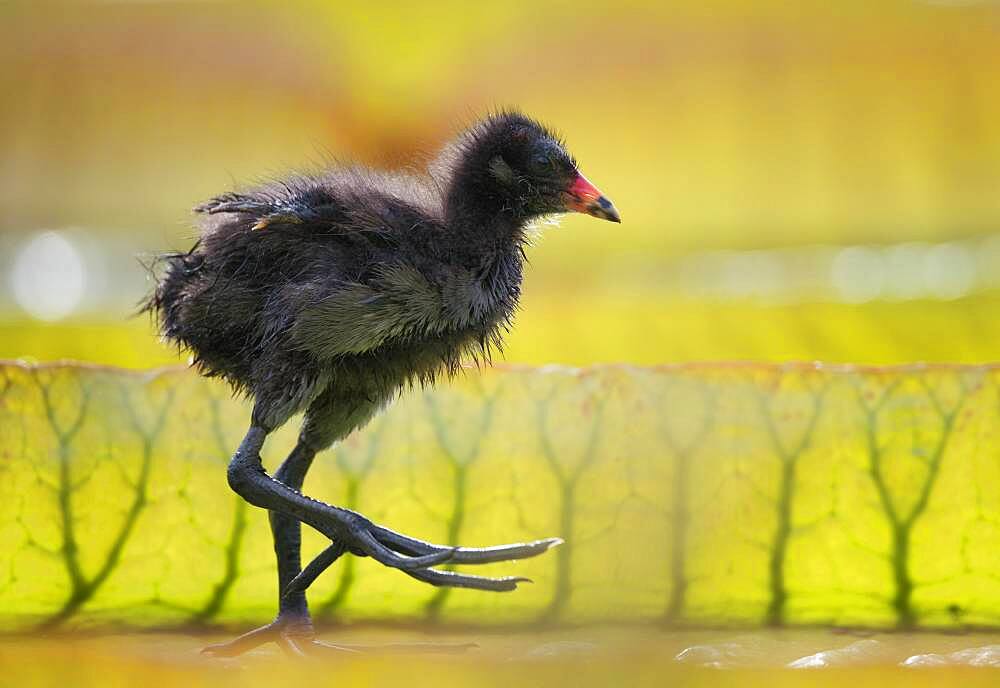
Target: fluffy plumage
361,280
329,293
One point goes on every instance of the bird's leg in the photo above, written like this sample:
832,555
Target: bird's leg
349,532
292,629
293,624
364,538
287,532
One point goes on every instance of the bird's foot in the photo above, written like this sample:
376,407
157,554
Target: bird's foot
296,637
293,634
416,557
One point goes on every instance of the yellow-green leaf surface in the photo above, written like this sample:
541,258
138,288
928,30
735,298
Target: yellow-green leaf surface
712,494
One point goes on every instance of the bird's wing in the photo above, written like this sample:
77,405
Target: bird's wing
349,200
399,305
263,209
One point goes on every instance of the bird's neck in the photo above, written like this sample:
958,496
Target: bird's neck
485,243
488,239
483,222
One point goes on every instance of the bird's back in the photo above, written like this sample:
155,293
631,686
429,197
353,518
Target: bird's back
349,271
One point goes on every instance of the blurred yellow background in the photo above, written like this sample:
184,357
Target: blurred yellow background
797,179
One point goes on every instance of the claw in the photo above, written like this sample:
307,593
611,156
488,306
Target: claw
488,555
463,580
466,555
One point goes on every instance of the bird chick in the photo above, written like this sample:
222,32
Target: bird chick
328,294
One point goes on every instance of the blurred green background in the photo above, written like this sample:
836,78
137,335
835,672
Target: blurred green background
798,179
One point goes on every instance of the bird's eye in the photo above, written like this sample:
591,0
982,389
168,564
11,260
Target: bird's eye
542,161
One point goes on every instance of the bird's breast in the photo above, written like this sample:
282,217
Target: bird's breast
480,299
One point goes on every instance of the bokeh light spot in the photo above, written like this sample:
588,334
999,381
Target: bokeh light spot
858,274
949,271
48,276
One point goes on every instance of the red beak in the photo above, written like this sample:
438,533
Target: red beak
583,197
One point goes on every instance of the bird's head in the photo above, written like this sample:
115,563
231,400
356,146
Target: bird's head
514,163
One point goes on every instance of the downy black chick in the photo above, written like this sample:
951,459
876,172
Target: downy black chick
330,293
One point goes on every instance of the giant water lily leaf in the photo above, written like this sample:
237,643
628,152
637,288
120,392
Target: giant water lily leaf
713,494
